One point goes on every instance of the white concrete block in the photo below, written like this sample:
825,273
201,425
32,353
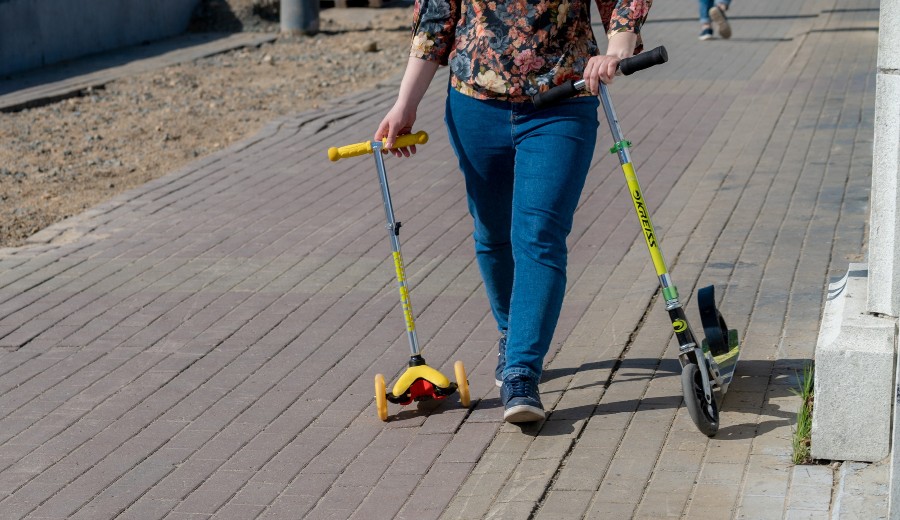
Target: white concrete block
889,35
894,462
854,376
884,237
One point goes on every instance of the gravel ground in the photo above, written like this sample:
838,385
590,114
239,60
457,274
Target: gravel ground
60,159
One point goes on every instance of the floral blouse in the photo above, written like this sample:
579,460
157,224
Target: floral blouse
513,49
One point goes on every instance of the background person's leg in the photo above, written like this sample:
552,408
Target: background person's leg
705,23
704,10
717,15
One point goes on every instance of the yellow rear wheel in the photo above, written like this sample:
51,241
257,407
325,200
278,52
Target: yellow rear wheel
462,383
381,397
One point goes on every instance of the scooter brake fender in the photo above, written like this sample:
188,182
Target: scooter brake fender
425,372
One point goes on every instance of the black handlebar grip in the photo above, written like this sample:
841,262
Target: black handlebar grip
555,94
628,66
644,60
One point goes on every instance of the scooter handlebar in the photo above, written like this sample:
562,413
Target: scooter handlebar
557,94
644,60
627,67
352,150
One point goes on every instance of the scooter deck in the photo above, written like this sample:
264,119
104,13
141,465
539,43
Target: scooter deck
727,361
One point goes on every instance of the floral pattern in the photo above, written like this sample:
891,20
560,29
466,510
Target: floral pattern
513,49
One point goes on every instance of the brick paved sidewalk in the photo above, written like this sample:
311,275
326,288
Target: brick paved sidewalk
205,346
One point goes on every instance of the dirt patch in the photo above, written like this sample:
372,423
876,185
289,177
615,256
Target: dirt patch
60,159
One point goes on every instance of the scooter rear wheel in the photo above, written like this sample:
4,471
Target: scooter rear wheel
381,397
706,417
462,383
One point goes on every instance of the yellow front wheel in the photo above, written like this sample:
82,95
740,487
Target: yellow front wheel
381,397
462,383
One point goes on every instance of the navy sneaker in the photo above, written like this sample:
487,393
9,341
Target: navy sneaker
501,361
521,400
706,33
717,14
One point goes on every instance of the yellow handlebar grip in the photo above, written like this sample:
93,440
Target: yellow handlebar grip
352,150
403,141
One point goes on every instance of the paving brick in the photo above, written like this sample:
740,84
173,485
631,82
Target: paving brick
527,482
608,509
810,498
565,504
436,490
339,499
721,473
468,507
385,499
238,512
583,470
711,497
667,494
150,510
469,443
510,510
761,506
672,460
213,493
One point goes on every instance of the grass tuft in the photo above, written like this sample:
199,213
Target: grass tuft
801,440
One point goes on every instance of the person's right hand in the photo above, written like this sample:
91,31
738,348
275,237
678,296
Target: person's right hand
600,69
398,121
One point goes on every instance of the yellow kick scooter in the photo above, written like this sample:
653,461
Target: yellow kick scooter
419,382
706,364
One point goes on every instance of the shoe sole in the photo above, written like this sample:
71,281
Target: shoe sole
716,15
498,382
706,37
523,413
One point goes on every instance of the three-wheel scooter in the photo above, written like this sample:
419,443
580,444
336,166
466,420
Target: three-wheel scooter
707,364
419,382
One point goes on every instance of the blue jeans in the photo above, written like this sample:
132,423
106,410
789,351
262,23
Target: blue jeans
705,5
524,171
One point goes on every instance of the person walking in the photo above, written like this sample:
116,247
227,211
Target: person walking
710,12
524,168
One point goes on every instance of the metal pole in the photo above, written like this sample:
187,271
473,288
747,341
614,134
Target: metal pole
299,16
393,228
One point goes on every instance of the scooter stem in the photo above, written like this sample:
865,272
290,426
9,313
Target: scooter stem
393,228
621,149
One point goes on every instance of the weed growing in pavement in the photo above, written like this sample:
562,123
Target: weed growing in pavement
802,432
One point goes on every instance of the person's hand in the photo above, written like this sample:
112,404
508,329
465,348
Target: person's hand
600,68
398,121
604,68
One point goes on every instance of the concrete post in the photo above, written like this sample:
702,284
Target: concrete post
299,16
884,221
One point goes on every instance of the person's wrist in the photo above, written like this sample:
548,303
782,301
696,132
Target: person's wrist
621,44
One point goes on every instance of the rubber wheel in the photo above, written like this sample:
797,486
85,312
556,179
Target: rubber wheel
381,397
462,383
705,417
